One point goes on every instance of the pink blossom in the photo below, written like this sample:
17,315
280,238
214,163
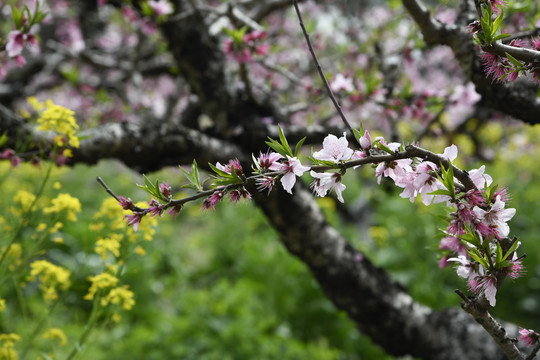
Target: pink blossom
495,4
238,194
20,60
165,189
365,141
16,161
474,197
486,284
155,208
474,27
426,183
233,164
443,262
393,169
341,83
126,203
480,179
262,49
453,244
407,183
134,220
211,201
529,337
536,42
174,211
516,270
264,183
129,13
466,268
463,215
450,153
162,7
7,154
334,149
328,181
71,36
15,43
496,217
267,160
291,168
357,155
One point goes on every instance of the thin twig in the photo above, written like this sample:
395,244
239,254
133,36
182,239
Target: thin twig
100,180
319,69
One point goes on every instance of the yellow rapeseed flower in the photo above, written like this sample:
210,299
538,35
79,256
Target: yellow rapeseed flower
116,317
51,276
139,250
57,119
25,199
35,103
57,226
2,305
13,256
56,334
100,281
119,295
64,202
7,350
110,245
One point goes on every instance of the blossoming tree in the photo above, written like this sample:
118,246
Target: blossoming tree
243,89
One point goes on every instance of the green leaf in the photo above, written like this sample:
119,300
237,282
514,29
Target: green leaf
384,148
149,184
16,16
440,192
499,255
358,134
190,186
284,141
187,174
3,139
449,179
501,36
513,60
147,189
256,167
299,145
277,147
486,28
475,254
219,172
496,24
195,174
511,250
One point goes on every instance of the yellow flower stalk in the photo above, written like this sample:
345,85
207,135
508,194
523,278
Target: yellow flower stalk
57,119
56,334
7,350
51,277
100,281
119,295
65,202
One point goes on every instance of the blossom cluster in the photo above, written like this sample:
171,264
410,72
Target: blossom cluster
243,48
477,235
53,119
501,68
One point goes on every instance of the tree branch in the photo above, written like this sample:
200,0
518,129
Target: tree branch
517,99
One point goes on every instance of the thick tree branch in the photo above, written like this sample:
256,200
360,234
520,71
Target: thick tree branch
381,308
